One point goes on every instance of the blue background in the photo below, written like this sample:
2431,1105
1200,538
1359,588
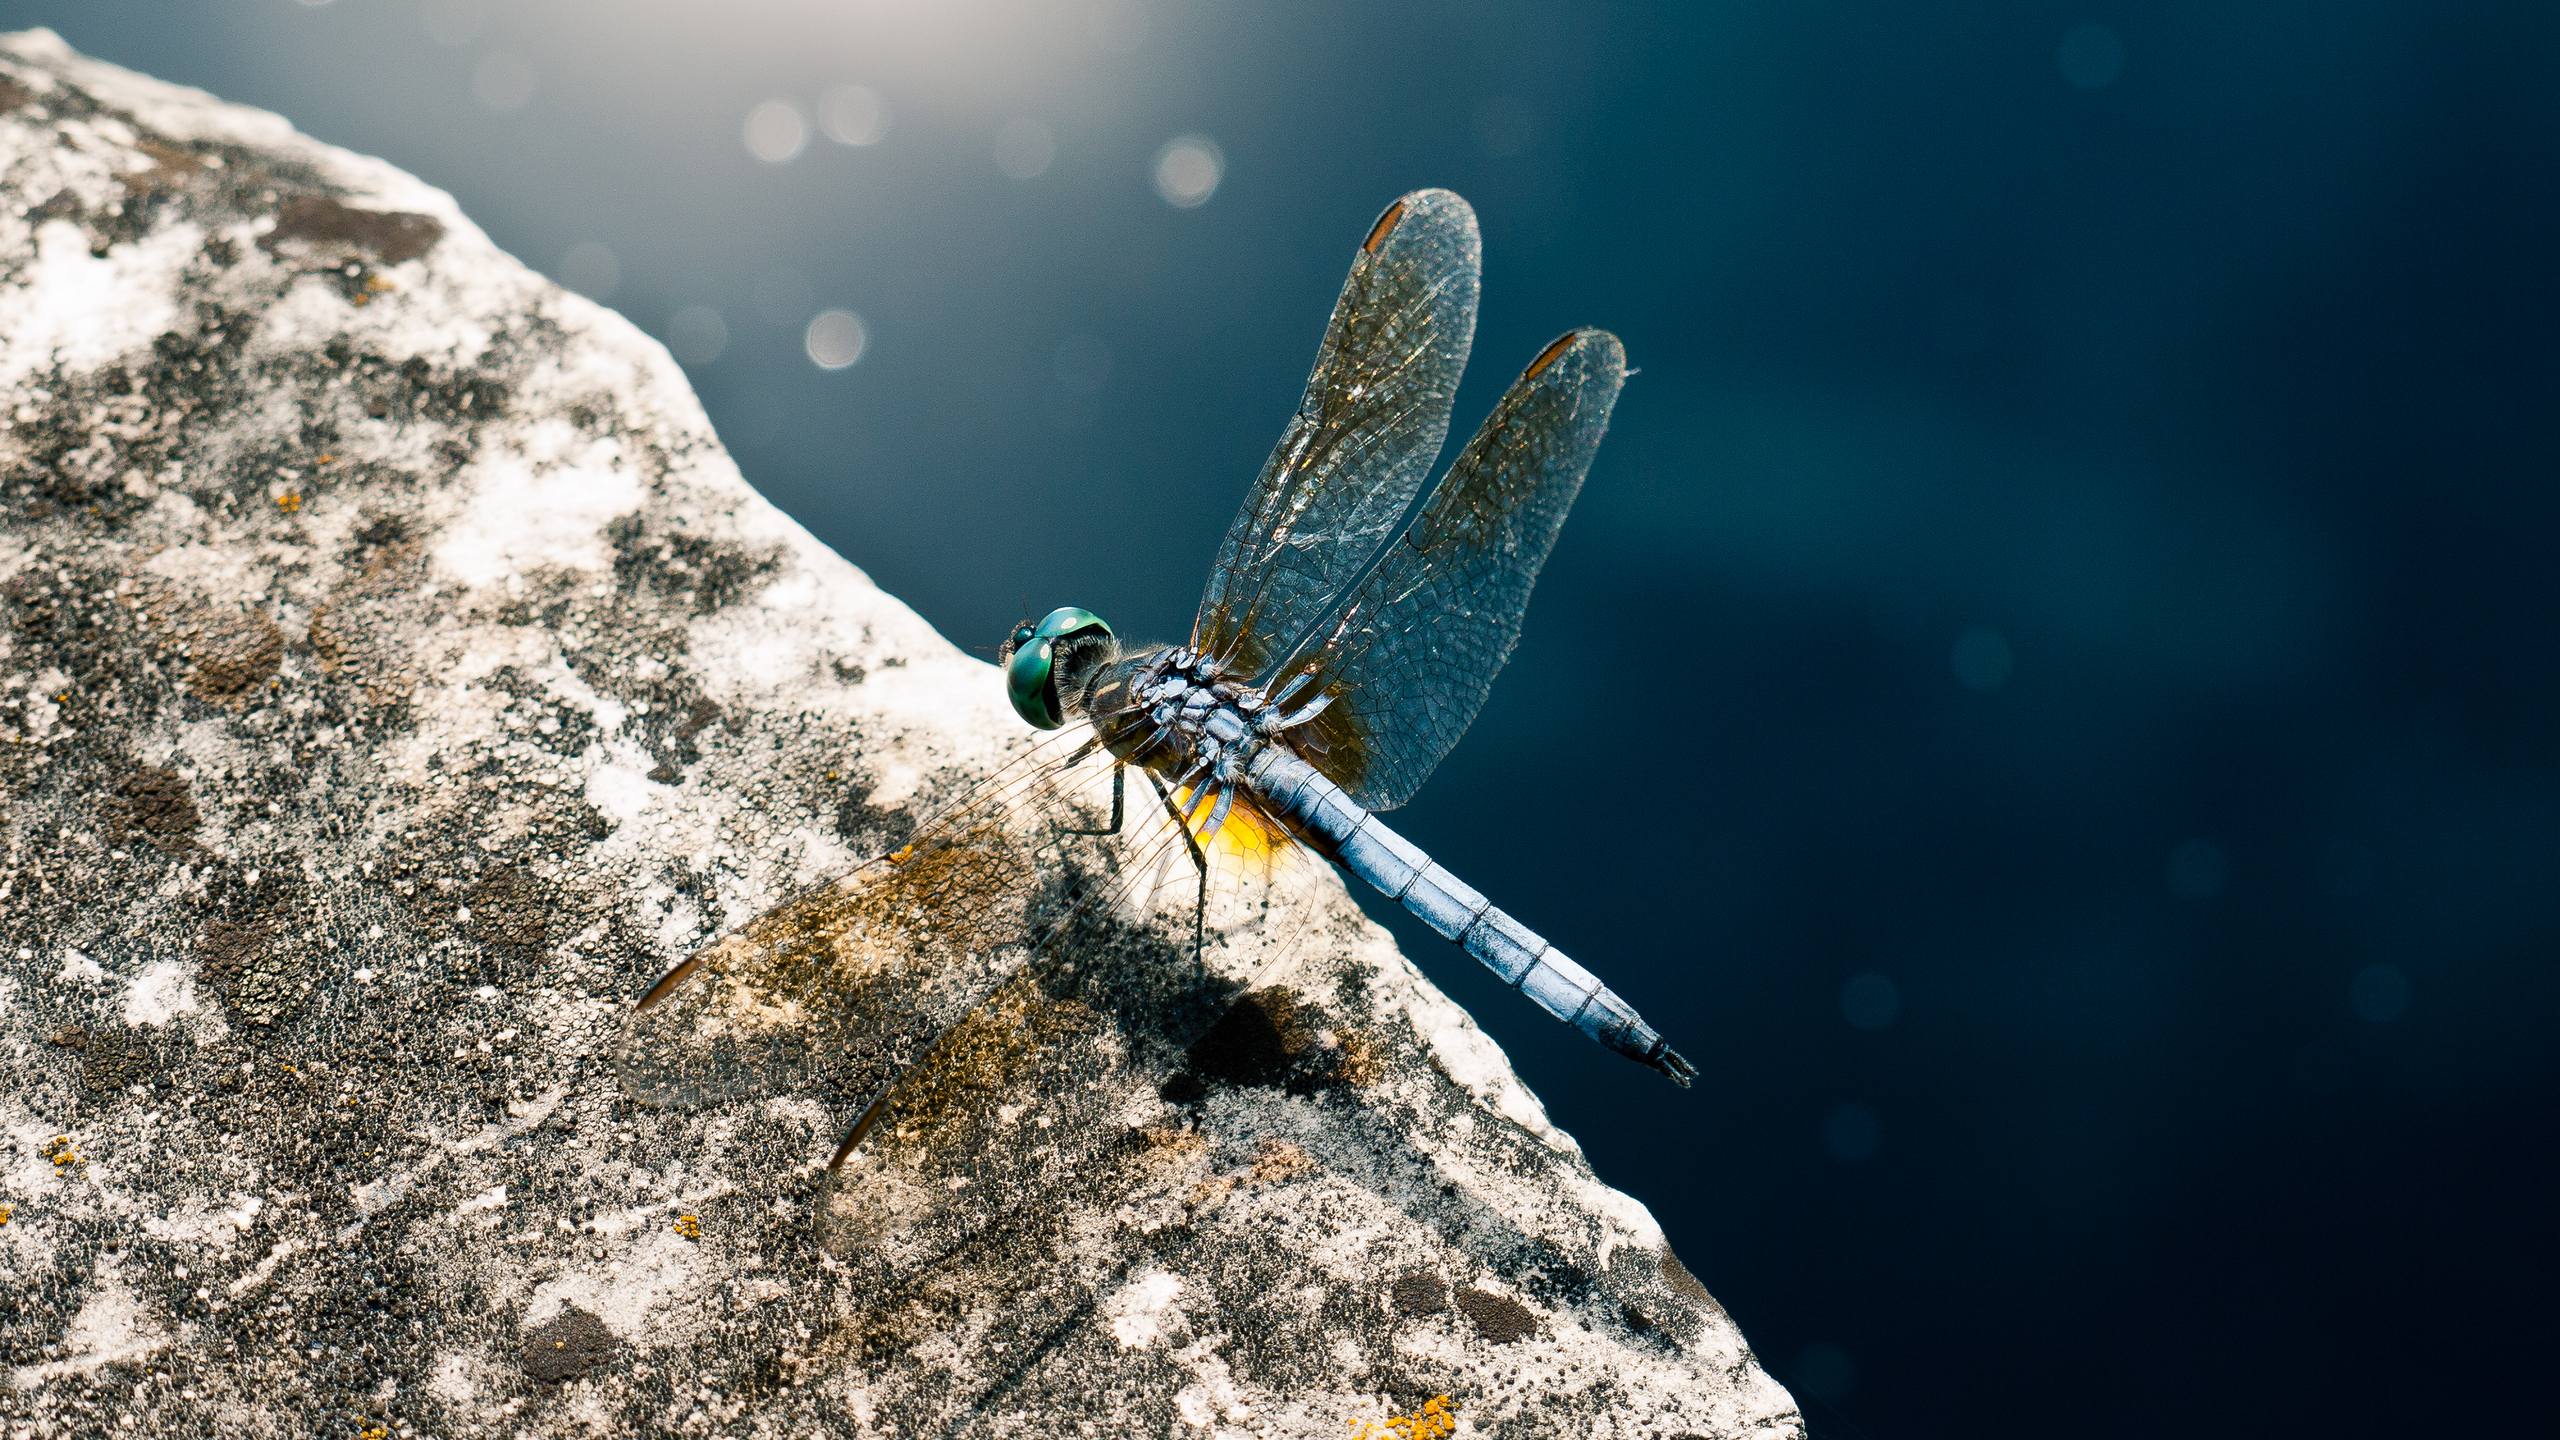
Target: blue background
2047,693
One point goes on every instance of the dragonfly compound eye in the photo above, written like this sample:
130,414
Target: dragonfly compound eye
1031,672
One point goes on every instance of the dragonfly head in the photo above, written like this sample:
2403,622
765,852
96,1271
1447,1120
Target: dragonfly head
1048,662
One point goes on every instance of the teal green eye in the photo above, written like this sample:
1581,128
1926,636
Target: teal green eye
1030,673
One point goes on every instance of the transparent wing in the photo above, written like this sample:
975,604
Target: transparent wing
1363,441
1414,651
843,985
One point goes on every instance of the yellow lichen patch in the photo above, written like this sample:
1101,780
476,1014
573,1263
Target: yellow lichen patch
1360,1064
689,1226
1273,1160
1173,1140
327,459
1280,1160
1438,1417
7,1211
289,502
59,1150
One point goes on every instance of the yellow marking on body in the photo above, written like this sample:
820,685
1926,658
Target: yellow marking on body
1249,837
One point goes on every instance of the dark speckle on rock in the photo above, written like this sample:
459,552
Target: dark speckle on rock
324,221
568,1345
234,652
238,959
511,911
157,805
1419,1292
1497,1318
114,1059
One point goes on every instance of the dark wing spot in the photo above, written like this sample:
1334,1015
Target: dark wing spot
1548,356
1379,232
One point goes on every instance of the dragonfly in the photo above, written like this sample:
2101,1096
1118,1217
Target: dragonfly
1351,630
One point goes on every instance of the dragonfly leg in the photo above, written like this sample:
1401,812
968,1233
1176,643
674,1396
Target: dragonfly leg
1119,781
1199,861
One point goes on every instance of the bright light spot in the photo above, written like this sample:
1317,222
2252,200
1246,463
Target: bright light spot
836,339
315,4
1505,127
2198,870
1982,659
853,115
2379,993
453,23
781,297
697,334
1851,1133
1869,1001
1024,148
1084,365
2091,57
776,132
503,81
1188,170
591,270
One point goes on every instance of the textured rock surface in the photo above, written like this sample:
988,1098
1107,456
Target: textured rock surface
394,676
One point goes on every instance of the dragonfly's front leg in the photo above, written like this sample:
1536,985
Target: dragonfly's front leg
1119,782
1199,861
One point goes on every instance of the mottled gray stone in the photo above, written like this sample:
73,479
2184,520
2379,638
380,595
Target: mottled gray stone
394,676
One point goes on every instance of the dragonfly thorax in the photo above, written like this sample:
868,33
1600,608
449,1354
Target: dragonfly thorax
1179,713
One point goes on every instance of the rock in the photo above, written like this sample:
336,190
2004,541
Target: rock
394,677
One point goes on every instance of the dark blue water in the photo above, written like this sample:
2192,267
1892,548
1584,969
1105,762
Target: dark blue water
2047,693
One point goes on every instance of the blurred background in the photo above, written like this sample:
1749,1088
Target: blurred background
2046,695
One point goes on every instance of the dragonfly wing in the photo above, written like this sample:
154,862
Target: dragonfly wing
843,985
1414,651
1363,440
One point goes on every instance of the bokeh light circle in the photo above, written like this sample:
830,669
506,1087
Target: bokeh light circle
1188,170
776,132
836,339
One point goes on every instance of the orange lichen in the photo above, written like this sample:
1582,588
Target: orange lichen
1437,1417
289,502
689,1226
